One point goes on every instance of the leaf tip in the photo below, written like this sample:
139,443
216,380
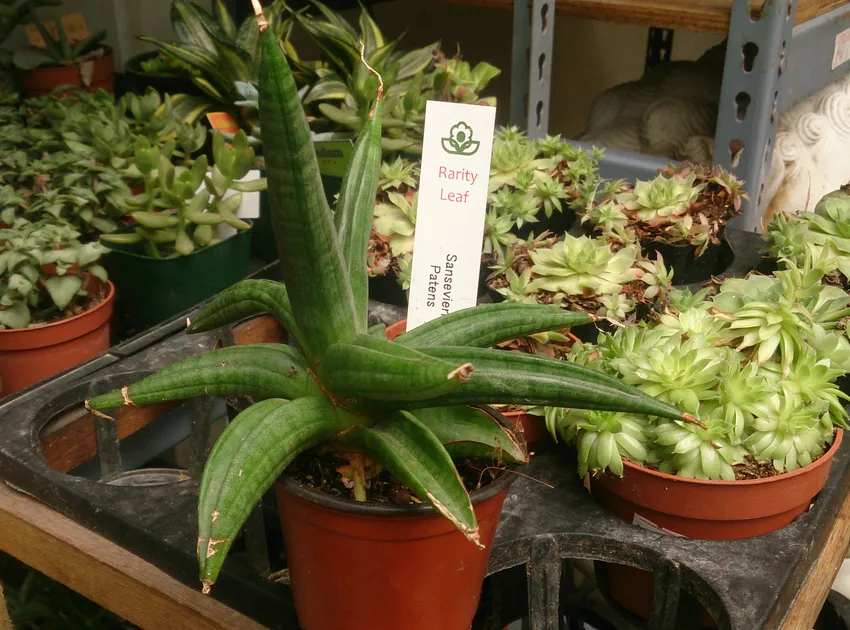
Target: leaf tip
262,23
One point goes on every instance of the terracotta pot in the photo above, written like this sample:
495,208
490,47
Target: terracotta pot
29,355
394,330
383,567
713,510
708,510
533,427
94,75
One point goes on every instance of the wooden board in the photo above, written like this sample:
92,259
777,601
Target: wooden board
813,593
105,573
702,16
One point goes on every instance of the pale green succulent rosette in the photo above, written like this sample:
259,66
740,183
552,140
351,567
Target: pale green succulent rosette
788,433
581,265
663,197
691,451
603,439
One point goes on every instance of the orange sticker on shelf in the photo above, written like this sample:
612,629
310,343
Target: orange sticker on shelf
75,27
224,122
73,23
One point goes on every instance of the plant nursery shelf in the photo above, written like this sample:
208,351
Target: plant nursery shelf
705,16
117,542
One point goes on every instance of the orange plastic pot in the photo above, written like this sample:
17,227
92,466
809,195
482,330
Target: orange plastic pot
359,566
697,508
533,427
394,330
29,355
93,75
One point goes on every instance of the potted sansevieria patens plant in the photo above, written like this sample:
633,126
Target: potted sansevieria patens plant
360,403
55,301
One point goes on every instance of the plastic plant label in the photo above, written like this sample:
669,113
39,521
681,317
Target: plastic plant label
453,185
223,122
645,523
333,156
841,51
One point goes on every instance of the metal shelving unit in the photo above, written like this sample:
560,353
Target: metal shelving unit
771,64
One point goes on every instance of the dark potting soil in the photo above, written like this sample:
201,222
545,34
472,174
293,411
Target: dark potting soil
751,468
321,471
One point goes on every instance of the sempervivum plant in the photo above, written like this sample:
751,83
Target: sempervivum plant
686,204
531,182
773,409
345,385
580,272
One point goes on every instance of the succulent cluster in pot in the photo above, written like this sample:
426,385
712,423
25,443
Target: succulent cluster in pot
409,403
685,204
531,181
755,363
46,273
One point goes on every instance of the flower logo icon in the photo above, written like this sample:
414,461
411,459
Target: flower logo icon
460,140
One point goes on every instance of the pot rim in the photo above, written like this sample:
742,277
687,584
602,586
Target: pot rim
314,495
825,459
62,322
196,252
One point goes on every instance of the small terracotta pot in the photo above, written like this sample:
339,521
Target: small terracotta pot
29,355
92,75
713,510
394,330
383,567
697,508
533,427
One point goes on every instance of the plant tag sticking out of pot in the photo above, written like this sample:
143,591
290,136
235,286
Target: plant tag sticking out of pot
452,201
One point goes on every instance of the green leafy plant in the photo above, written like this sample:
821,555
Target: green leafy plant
402,402
216,54
74,158
338,96
582,265
180,206
45,273
58,51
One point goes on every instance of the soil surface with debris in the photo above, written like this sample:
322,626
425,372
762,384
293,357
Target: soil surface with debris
322,472
78,306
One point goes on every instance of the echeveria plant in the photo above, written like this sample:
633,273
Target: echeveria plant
346,386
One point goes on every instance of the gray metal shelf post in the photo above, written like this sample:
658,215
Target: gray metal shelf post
531,65
749,99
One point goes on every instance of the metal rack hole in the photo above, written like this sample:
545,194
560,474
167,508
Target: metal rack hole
742,102
750,51
544,17
736,149
541,62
